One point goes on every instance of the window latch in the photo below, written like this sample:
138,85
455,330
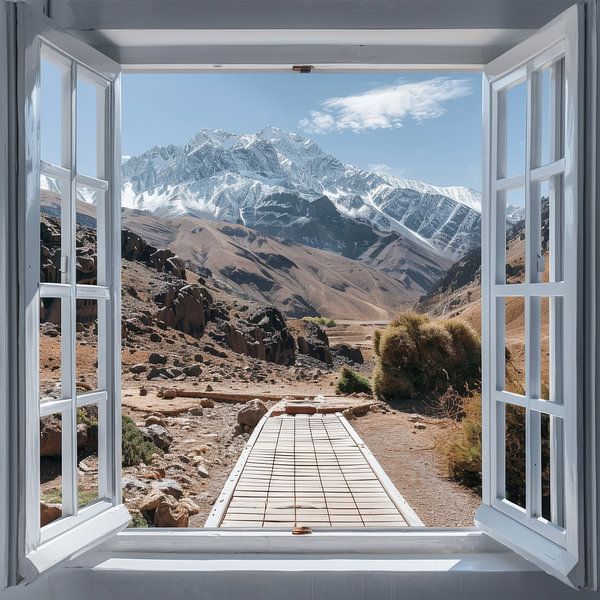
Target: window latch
541,263
301,530
303,68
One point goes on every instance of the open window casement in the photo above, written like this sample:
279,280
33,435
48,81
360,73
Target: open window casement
532,401
69,220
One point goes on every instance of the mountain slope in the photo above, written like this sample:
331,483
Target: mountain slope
297,279
240,178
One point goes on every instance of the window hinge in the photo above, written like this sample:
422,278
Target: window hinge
302,68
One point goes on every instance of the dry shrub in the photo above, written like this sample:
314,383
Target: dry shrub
449,405
419,356
463,450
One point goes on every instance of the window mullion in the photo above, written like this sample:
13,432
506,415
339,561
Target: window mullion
70,419
532,312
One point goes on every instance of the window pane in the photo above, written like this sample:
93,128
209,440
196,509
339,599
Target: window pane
88,112
88,200
514,231
50,349
50,468
514,101
552,480
53,77
546,117
87,455
51,234
515,454
87,345
514,341
551,349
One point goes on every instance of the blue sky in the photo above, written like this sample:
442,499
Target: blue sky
424,126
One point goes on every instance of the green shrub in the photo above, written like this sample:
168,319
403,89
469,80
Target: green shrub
134,447
350,382
322,321
416,355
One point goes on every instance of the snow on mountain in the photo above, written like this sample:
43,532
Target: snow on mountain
237,178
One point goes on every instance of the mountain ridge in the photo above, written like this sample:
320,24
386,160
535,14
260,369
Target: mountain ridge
225,176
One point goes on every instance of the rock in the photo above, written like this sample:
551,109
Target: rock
157,359
350,353
348,414
209,388
154,420
169,394
50,436
193,370
202,470
263,335
169,514
140,368
169,487
313,341
251,413
207,403
152,500
190,506
49,513
185,307
143,391
197,411
155,337
361,411
158,435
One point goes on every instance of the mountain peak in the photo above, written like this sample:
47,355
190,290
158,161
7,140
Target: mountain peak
228,176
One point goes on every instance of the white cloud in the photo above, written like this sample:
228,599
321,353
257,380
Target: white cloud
386,107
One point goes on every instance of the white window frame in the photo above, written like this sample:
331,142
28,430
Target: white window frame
43,548
436,542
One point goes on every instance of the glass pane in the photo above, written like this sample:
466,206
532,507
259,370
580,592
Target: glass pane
53,76
88,200
515,237
50,468
50,349
551,349
88,111
552,465
87,345
51,234
514,341
514,100
87,455
515,454
546,116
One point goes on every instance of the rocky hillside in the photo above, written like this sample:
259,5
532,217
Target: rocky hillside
297,279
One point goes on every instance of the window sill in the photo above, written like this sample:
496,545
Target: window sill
418,550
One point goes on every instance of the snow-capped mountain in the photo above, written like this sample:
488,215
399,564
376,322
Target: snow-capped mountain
253,180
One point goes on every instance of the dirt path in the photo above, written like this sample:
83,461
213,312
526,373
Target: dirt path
410,456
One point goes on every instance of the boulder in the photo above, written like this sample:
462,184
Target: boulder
171,514
193,370
139,368
207,403
169,487
351,353
50,436
157,359
158,435
49,513
152,500
263,335
185,308
313,341
251,413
